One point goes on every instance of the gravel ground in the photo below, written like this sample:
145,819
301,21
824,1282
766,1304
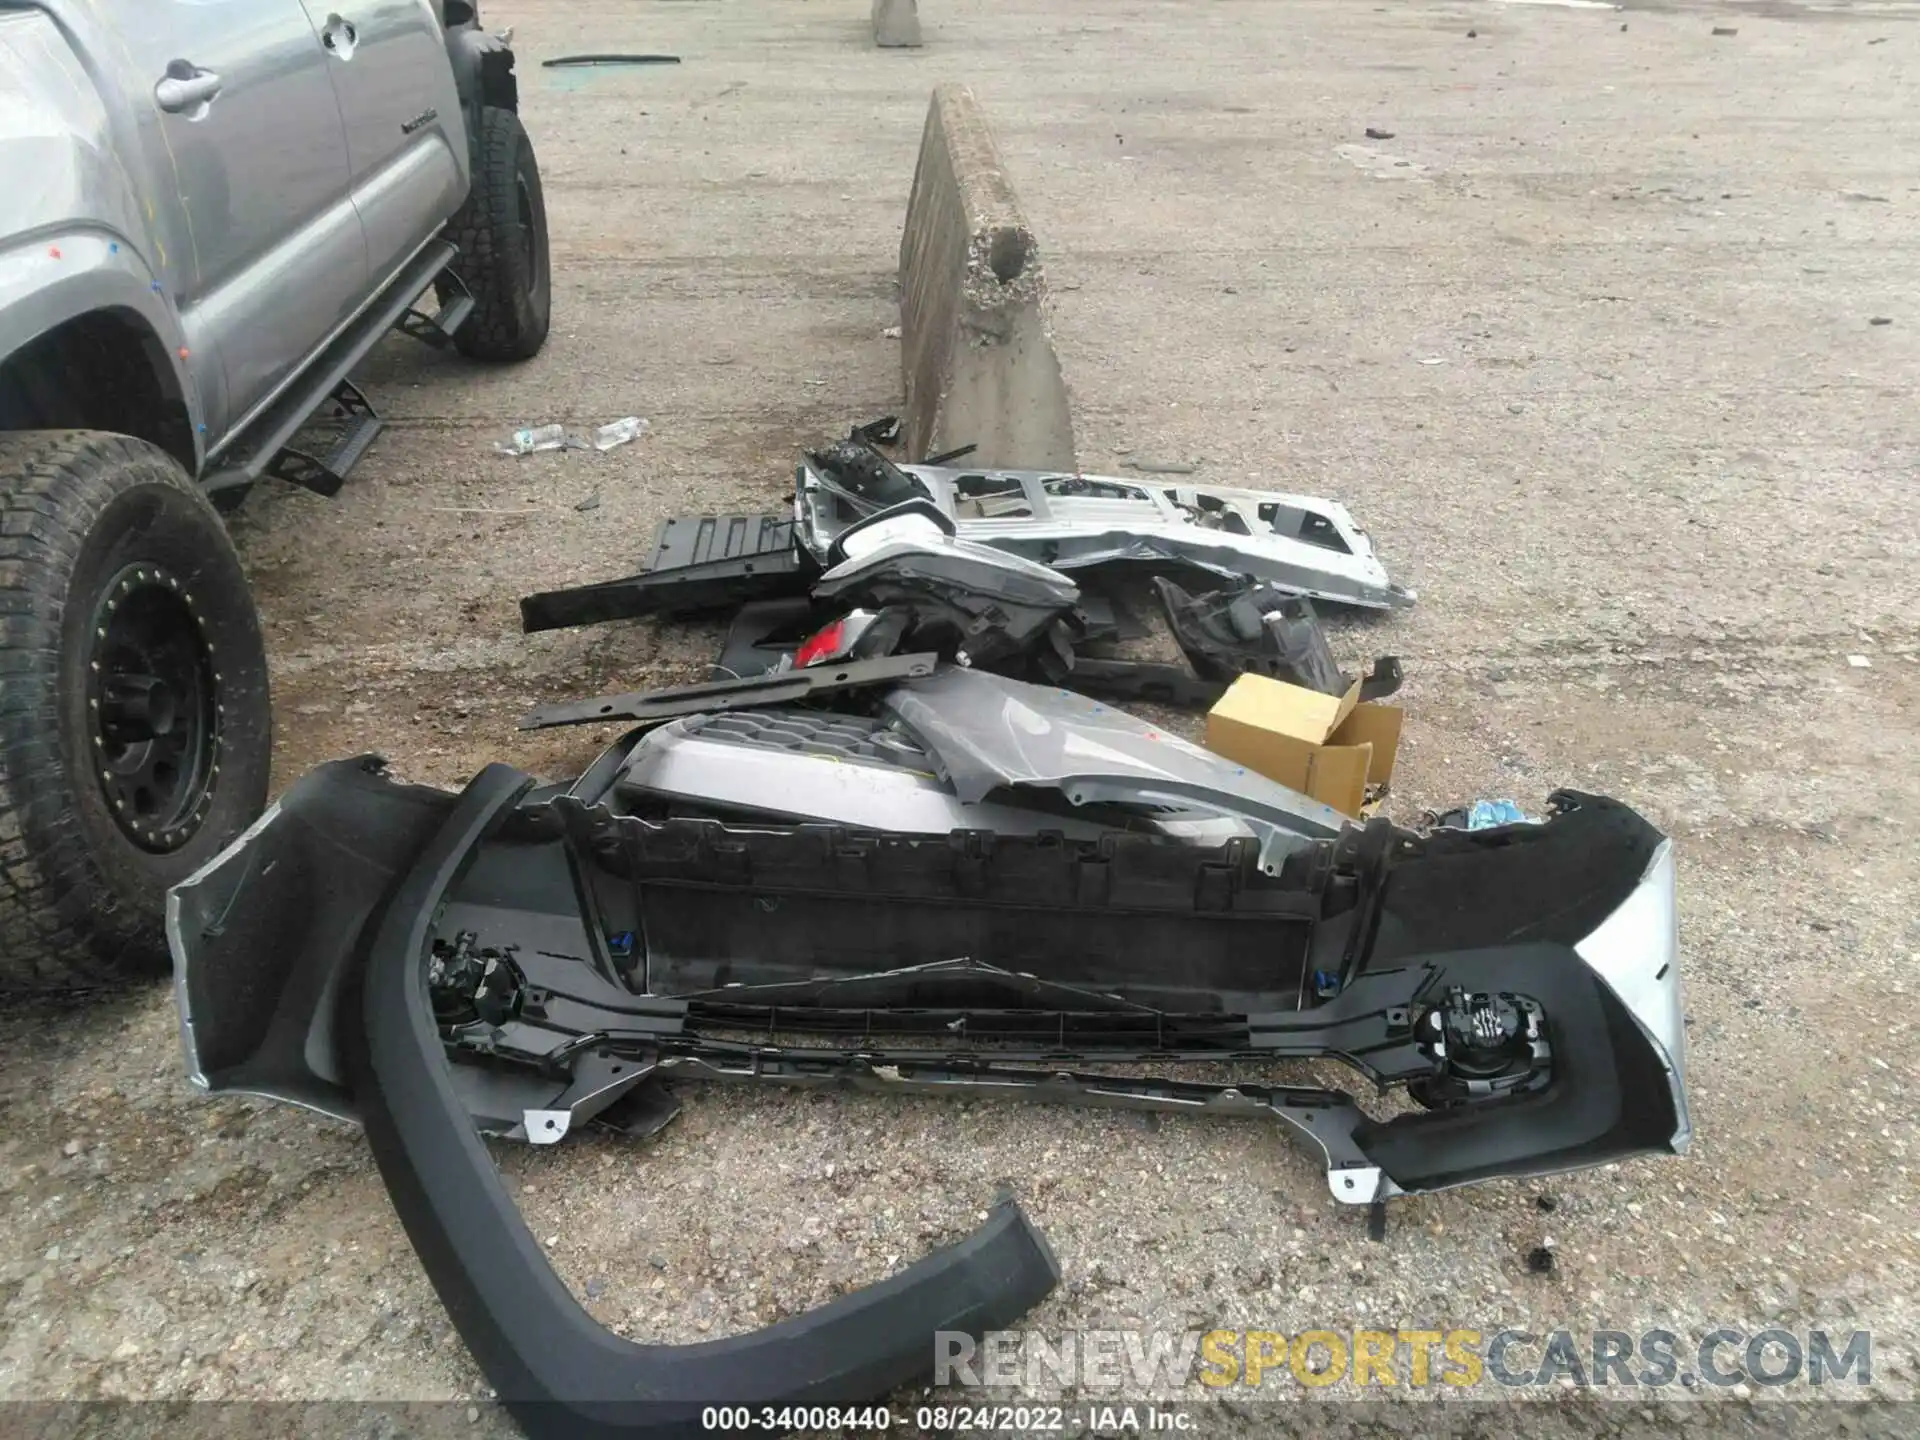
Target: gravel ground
1593,346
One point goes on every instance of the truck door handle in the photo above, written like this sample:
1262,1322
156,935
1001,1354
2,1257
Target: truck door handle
186,89
339,36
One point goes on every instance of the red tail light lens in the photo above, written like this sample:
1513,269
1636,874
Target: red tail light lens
824,644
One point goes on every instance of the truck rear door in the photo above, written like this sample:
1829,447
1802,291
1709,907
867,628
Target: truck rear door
406,142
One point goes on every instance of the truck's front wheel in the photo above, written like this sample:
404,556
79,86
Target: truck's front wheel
135,723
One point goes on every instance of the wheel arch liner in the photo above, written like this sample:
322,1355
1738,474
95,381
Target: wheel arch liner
555,1367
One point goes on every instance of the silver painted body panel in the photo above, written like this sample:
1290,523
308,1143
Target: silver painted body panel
1302,543
892,787
1636,951
988,732
187,162
406,145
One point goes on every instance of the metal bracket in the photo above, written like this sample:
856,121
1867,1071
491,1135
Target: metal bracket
599,1079
346,405
437,329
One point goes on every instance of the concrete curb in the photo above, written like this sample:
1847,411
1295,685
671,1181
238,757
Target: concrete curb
896,23
975,349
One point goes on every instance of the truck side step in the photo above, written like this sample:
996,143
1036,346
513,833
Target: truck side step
264,446
358,423
437,329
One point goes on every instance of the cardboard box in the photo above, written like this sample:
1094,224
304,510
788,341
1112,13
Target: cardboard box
1331,747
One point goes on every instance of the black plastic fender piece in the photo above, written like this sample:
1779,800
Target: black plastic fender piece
482,63
552,1364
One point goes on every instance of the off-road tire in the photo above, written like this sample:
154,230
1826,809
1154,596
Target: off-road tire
502,234
81,902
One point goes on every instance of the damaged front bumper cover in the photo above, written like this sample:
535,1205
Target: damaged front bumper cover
1518,984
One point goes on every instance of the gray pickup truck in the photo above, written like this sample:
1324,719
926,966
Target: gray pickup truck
212,210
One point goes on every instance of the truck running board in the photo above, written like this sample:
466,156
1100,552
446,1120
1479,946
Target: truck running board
358,425
265,445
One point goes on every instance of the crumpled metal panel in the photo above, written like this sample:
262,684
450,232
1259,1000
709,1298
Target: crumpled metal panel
1303,543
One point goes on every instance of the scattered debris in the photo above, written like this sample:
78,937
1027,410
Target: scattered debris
1863,196
1373,134
1546,1203
892,332
1881,320
1725,30
571,60
1053,526
1859,662
884,431
535,439
1004,571
893,729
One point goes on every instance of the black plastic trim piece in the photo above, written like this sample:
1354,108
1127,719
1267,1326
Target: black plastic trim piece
562,60
686,590
785,687
556,1369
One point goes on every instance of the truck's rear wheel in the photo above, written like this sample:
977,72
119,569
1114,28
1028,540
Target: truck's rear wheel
135,723
502,235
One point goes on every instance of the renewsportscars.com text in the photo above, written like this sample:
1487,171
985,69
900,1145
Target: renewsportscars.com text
1138,1362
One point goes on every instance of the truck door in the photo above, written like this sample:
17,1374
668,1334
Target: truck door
406,142
248,112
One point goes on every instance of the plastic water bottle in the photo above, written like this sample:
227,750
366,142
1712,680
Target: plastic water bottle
1485,814
534,438
619,432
